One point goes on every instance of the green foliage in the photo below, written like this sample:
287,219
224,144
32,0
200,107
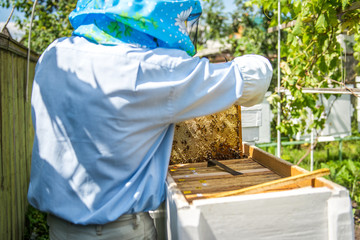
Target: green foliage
249,35
326,155
50,20
253,37
311,54
35,225
346,173
213,22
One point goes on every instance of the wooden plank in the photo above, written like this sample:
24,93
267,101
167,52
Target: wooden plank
236,164
283,26
15,165
318,182
29,127
269,161
16,135
22,143
11,46
198,179
190,197
220,174
283,168
341,90
10,147
2,138
29,131
253,189
204,164
13,189
6,146
228,184
19,146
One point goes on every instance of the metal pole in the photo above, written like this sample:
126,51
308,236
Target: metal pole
357,81
29,52
312,147
240,132
278,83
340,149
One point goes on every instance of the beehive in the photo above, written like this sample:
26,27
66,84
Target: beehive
195,206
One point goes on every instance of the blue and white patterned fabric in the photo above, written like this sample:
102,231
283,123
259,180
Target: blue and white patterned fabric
143,23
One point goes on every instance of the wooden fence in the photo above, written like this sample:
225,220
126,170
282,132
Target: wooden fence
16,136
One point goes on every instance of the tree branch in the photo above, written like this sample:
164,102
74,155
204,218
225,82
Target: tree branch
354,6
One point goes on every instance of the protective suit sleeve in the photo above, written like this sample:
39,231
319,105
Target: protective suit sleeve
205,88
256,74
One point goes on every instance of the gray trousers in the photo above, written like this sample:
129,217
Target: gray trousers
130,226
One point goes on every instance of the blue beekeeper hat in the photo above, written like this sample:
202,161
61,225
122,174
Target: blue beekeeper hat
144,23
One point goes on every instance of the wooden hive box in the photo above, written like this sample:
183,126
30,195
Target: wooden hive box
196,207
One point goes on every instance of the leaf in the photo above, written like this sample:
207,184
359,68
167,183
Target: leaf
321,24
250,3
285,68
297,6
340,174
334,62
290,38
305,38
353,169
331,16
298,26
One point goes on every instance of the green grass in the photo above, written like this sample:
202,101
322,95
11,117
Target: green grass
36,225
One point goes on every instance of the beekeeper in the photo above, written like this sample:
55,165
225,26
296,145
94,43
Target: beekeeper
104,104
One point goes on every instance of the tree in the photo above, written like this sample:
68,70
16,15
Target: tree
249,28
213,22
50,20
249,35
311,55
